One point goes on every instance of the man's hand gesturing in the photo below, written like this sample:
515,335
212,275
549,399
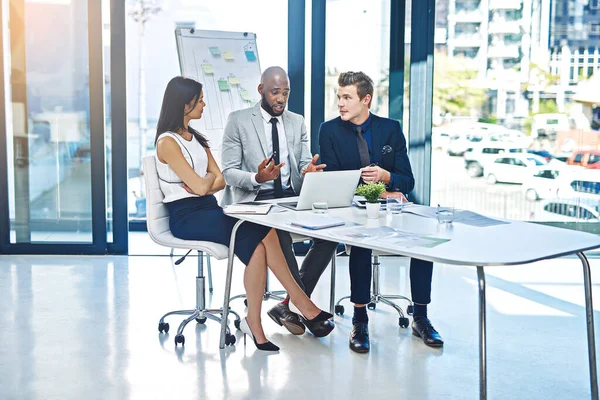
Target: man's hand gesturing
313,167
268,172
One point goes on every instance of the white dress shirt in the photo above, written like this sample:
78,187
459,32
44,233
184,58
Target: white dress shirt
284,154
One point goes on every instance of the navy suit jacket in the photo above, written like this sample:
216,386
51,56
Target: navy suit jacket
339,149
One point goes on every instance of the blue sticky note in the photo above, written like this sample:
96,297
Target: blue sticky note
250,55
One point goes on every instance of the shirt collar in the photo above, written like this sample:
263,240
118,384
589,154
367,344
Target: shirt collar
267,117
364,126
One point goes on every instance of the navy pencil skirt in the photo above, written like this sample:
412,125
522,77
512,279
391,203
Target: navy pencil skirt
201,218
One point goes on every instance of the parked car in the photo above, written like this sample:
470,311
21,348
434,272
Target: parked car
513,168
585,158
459,144
565,182
542,153
568,210
440,137
486,152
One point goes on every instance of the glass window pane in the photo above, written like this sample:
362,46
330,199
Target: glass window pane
502,78
50,171
357,39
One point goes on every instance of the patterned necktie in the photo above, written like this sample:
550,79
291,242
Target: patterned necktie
363,147
275,137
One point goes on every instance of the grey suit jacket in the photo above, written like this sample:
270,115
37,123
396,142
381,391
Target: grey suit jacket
245,147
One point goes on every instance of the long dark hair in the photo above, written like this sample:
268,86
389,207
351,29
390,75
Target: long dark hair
180,91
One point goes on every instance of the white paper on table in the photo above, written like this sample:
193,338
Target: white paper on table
460,216
474,219
423,211
388,236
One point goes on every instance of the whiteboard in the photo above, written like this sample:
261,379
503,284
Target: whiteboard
227,65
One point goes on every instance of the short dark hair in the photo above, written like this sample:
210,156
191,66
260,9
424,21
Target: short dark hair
180,91
364,84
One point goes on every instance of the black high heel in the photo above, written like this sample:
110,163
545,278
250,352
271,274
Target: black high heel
268,346
321,325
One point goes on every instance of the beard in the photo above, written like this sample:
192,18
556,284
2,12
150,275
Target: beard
268,108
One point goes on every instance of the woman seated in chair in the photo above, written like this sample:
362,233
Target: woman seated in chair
189,177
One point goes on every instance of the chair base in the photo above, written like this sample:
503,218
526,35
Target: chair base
386,300
377,297
200,315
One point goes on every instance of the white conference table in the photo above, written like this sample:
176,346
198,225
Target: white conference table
507,244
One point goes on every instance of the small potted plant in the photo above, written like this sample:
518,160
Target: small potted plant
371,192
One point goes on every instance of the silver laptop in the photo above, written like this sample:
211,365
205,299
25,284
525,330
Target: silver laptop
335,187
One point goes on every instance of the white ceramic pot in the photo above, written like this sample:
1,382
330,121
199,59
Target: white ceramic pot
373,210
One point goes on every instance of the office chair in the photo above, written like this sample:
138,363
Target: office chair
157,219
377,297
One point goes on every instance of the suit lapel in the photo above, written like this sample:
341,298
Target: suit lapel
376,139
289,136
259,127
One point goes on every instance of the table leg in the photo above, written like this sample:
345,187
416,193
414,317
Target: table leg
332,287
589,314
228,283
482,348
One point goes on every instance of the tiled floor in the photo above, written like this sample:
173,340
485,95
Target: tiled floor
86,328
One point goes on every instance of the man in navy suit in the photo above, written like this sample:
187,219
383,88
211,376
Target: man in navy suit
358,139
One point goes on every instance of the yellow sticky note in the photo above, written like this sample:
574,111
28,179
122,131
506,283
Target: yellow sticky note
208,69
245,96
234,80
228,55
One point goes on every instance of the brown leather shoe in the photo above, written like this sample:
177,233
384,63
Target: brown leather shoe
282,316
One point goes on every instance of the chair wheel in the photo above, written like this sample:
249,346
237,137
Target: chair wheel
339,310
229,340
410,310
403,322
201,320
371,306
246,302
163,327
236,323
179,339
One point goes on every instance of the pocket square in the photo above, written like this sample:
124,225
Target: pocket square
386,149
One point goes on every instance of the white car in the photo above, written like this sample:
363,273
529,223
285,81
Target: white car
458,145
484,153
513,168
568,210
558,179
543,184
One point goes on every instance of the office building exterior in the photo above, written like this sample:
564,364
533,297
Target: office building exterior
502,38
575,24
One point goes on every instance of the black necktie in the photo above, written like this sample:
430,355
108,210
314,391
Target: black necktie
275,137
363,147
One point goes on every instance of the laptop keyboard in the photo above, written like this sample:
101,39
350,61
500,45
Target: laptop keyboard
289,204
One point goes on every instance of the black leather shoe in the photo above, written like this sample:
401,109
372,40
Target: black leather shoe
321,325
282,316
359,337
421,327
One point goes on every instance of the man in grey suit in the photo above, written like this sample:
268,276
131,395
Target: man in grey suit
265,155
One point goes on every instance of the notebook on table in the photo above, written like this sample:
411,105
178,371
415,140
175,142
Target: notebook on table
318,222
261,209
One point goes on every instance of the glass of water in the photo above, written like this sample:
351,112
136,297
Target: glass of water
445,215
394,204
320,207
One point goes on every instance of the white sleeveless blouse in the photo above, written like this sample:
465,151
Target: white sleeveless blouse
170,184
